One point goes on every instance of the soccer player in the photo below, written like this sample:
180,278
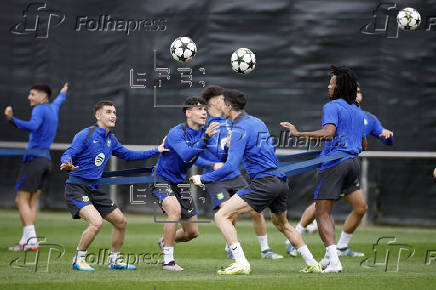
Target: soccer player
184,141
343,122
213,158
85,159
35,169
359,207
268,188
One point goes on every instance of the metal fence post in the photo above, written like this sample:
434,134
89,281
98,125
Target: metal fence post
365,185
113,188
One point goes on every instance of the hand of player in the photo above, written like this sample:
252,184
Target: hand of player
291,128
212,129
68,165
386,134
217,165
196,180
161,147
434,173
229,136
9,113
65,88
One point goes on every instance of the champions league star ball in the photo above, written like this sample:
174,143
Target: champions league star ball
183,49
408,19
243,60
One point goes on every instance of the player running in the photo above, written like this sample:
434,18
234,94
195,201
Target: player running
267,188
85,159
359,207
35,169
215,156
184,141
343,122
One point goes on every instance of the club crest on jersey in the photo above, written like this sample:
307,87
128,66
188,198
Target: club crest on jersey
85,198
109,143
220,196
365,121
99,159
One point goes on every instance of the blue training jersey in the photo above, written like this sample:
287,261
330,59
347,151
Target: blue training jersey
374,127
91,152
251,143
216,148
184,144
42,126
350,130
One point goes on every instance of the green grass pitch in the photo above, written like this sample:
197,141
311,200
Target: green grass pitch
203,256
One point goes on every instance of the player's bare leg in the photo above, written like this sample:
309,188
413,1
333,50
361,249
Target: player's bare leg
95,222
119,223
34,204
326,228
259,225
188,231
280,221
172,207
306,219
27,212
90,214
359,208
224,220
308,216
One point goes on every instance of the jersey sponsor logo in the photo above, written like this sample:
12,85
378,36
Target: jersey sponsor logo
99,159
220,196
85,198
223,143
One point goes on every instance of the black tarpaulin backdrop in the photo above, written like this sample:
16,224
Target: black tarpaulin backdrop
294,41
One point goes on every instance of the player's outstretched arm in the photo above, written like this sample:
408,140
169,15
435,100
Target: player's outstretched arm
130,155
32,125
327,131
60,99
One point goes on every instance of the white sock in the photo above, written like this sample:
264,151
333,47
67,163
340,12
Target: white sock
238,253
344,240
114,257
307,255
263,242
29,234
79,256
23,238
168,254
331,251
300,228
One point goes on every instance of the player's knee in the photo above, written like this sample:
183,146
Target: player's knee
278,224
122,224
96,225
192,234
220,215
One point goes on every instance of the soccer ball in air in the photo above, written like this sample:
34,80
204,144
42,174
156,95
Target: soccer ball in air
408,19
183,49
243,60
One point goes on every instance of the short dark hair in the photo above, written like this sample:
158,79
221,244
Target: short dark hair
346,84
42,88
101,104
193,101
211,91
235,98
